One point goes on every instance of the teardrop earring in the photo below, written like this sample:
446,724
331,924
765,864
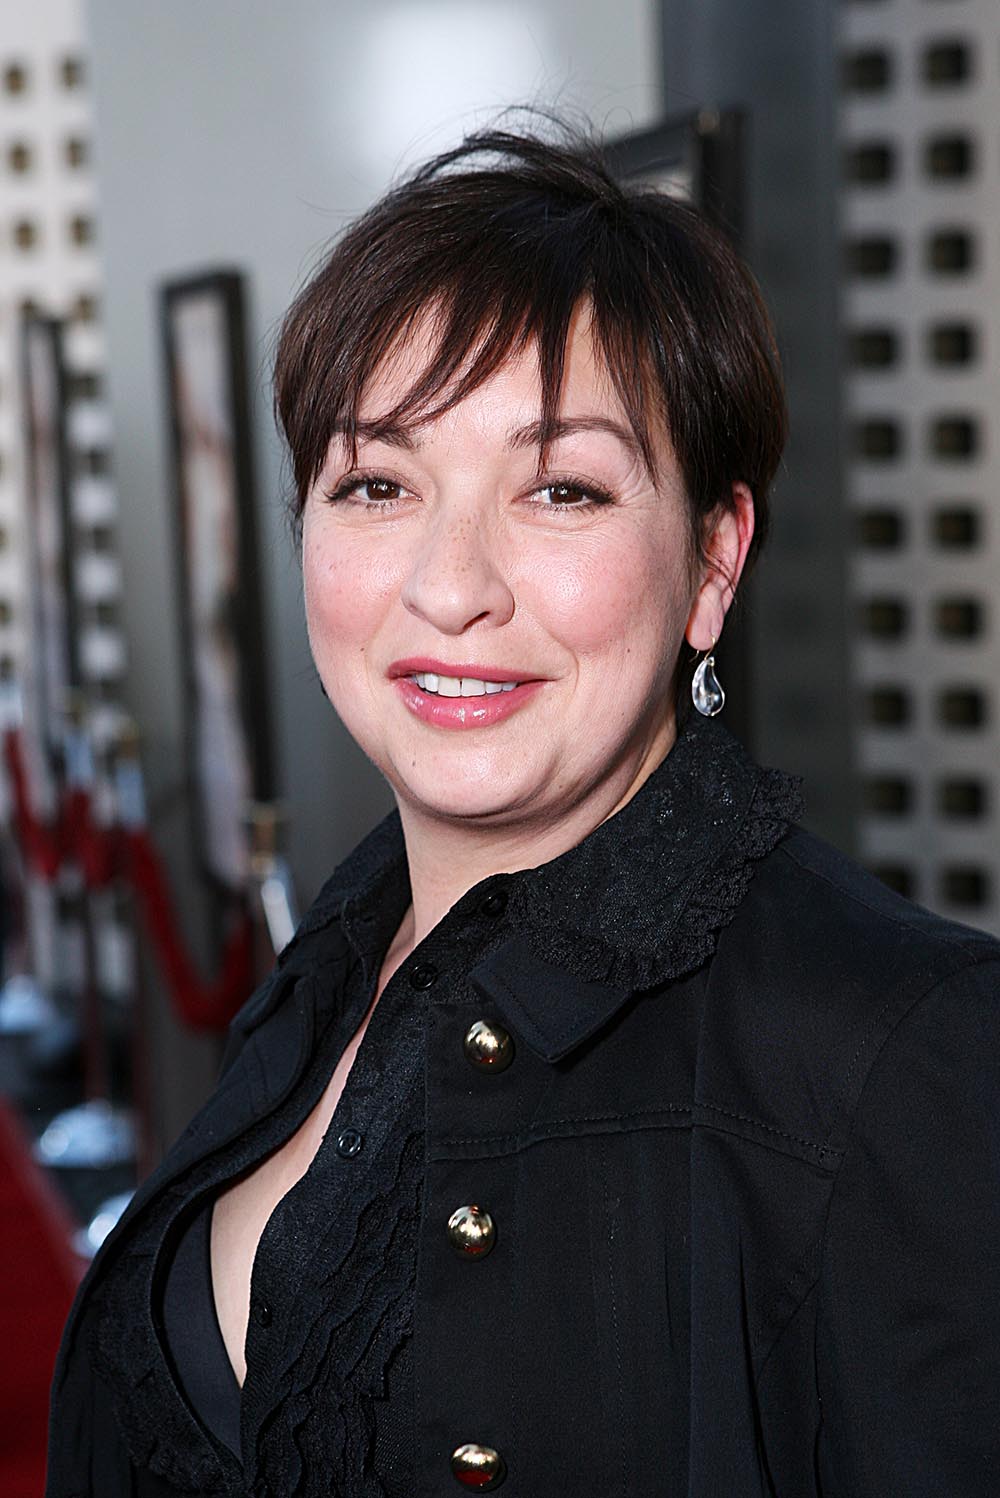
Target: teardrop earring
706,689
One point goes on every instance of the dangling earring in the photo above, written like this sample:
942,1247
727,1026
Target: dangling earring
706,689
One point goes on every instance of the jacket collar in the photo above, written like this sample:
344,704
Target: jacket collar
641,899
638,903
552,1010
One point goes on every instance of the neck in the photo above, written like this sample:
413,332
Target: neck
447,857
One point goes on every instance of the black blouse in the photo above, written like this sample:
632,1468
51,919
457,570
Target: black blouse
328,1397
191,1330
192,1337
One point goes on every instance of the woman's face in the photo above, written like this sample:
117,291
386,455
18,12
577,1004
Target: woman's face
441,569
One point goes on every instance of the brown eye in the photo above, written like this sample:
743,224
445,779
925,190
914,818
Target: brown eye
566,494
381,489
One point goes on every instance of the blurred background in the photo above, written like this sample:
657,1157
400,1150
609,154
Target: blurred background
174,786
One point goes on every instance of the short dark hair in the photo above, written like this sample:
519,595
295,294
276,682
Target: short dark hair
501,239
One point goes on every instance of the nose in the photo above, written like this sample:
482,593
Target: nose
457,577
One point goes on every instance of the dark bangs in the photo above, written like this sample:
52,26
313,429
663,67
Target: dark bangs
497,243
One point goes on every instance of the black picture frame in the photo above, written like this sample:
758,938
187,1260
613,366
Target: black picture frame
227,717
54,667
701,155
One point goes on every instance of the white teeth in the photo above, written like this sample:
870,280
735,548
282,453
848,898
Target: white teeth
460,686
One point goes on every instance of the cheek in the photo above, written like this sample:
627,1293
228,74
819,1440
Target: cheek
615,600
345,593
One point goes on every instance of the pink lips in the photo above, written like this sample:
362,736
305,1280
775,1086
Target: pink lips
460,712
412,664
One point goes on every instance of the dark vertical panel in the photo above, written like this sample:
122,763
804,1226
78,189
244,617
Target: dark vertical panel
775,61
706,148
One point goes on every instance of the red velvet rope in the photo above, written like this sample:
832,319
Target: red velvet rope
41,846
203,1006
107,853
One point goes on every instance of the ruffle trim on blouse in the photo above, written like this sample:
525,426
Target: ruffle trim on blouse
654,911
714,902
318,1407
320,1431
160,1433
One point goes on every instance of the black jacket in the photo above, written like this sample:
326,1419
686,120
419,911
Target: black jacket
744,1168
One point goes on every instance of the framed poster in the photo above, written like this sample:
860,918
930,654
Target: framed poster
700,157
227,718
54,643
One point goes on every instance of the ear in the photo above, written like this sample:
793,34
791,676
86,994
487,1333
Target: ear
726,551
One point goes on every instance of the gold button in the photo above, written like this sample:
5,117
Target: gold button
471,1231
478,1467
488,1046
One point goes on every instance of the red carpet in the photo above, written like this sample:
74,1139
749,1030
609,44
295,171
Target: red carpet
38,1275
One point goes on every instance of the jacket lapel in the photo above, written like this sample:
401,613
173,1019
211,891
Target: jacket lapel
553,1010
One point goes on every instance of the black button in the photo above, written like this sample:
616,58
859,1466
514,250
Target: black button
349,1141
423,976
263,1314
495,904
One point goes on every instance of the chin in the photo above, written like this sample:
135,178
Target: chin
456,787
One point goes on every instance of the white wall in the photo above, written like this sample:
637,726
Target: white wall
245,133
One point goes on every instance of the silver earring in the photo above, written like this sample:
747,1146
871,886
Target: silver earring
706,689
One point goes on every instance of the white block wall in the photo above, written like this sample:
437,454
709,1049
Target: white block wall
920,132
50,258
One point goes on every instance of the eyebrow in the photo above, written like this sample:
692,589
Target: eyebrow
542,433
534,434
394,433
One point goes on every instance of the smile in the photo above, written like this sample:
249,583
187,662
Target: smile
460,686
463,702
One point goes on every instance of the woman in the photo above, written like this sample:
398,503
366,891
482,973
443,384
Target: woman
600,1132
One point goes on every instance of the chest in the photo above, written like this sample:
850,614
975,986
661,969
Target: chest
243,1209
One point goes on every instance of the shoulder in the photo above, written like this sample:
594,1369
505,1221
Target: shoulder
836,898
820,967
838,934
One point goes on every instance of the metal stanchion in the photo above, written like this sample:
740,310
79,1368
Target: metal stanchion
130,813
95,1134
26,1009
272,890
130,804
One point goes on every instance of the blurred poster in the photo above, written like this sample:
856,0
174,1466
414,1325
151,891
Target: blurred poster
221,628
53,644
